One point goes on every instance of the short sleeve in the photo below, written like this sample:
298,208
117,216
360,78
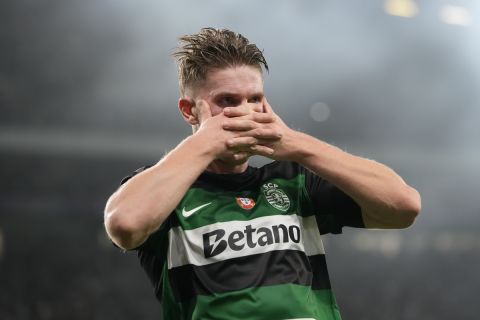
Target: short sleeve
134,173
333,208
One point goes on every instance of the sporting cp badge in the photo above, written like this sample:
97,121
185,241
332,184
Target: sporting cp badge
276,197
245,203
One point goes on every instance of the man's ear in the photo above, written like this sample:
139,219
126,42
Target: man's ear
187,109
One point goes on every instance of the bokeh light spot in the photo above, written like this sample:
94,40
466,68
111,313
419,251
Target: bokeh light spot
455,15
320,112
401,8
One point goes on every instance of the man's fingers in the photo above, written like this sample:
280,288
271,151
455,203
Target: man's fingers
238,111
268,134
242,155
260,150
262,117
262,134
239,125
248,122
250,146
255,116
234,112
241,142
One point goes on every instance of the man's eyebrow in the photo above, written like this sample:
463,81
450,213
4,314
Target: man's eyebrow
236,94
225,93
257,94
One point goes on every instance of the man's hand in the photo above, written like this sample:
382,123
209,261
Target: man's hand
213,131
260,133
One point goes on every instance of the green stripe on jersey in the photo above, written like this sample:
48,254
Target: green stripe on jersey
279,302
221,207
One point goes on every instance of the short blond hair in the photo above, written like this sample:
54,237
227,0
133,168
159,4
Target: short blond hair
210,49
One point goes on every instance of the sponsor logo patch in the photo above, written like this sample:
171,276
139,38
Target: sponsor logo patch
217,241
276,197
187,213
234,239
245,203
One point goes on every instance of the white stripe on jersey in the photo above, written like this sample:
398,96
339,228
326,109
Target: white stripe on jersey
187,246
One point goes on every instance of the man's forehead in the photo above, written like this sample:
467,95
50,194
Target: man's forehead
234,81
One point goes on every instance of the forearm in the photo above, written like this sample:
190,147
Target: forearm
385,199
143,203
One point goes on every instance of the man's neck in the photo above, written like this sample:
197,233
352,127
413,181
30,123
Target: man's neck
218,166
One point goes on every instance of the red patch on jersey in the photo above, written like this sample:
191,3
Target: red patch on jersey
245,203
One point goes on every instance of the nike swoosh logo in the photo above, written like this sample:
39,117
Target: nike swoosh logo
188,213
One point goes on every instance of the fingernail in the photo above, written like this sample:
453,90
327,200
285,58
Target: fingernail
227,110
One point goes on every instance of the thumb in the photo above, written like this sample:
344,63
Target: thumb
203,111
266,107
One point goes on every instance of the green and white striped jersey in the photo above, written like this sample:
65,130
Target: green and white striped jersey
248,246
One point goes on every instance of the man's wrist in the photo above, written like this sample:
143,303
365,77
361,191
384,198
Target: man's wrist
302,146
206,149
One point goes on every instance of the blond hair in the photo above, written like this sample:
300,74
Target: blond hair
211,48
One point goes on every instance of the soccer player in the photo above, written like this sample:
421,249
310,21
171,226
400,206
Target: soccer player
220,239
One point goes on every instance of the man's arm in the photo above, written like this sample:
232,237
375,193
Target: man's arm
140,206
385,199
143,203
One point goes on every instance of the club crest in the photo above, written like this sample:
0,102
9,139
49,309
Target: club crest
245,203
276,197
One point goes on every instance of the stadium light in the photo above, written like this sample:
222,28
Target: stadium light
401,8
455,15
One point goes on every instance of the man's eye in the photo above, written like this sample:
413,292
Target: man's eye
255,100
227,101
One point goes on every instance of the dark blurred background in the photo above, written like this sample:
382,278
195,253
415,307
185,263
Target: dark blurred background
88,93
